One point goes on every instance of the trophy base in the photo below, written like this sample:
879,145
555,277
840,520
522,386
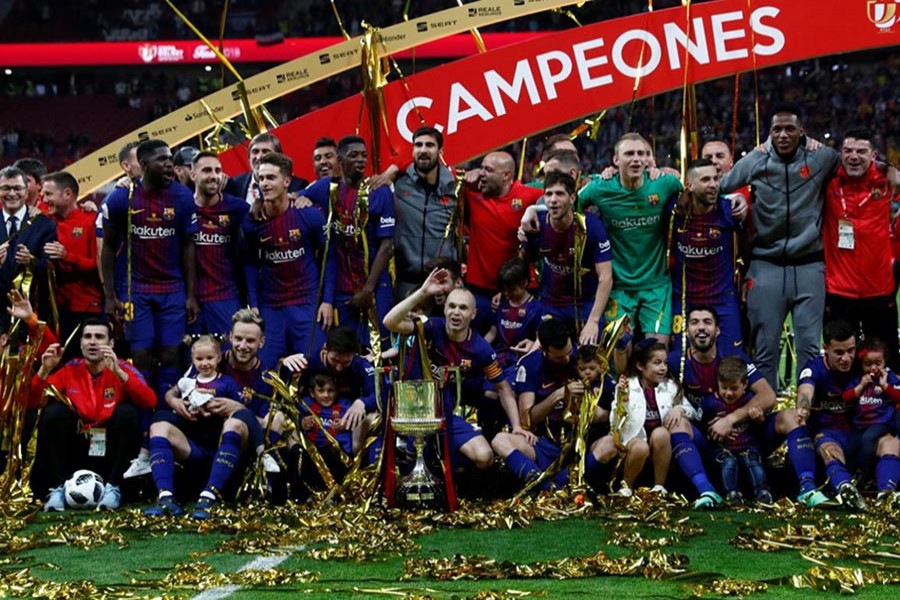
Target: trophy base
420,495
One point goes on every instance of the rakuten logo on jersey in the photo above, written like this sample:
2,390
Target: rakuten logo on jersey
283,256
152,233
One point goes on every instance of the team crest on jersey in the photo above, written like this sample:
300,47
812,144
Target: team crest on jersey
465,364
715,233
246,395
109,393
516,203
522,312
804,172
876,194
169,214
294,234
224,220
77,232
653,199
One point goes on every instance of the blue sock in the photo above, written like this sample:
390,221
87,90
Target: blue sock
802,455
167,377
162,464
887,473
224,463
688,458
521,466
837,474
591,464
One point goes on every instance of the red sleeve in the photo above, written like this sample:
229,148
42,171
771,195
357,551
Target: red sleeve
49,337
892,393
849,396
38,386
136,389
75,260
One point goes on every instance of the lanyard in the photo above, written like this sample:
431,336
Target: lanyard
844,201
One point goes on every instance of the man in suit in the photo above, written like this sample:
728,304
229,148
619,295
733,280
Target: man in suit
23,234
246,185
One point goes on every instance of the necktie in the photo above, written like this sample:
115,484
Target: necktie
13,225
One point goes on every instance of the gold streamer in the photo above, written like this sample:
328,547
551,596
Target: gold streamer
253,118
340,23
479,41
375,70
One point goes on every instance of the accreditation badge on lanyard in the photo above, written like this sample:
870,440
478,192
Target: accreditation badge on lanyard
846,237
846,240
98,441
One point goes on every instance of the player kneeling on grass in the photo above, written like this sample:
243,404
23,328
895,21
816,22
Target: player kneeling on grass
100,424
205,411
738,453
873,395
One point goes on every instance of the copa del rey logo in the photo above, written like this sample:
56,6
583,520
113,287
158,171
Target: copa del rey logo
160,53
883,13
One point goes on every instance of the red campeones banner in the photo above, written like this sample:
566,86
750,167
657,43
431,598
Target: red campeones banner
183,52
489,100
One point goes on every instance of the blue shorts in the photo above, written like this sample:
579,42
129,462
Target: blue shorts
460,432
160,320
545,452
353,318
205,433
215,317
841,437
566,314
289,330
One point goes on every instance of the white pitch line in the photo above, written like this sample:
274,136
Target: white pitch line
260,563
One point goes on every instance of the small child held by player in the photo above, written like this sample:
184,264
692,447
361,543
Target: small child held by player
874,396
739,453
324,407
645,396
196,429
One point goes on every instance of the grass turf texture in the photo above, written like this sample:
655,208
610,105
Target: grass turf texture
710,556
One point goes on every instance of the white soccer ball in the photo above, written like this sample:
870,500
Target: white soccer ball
83,489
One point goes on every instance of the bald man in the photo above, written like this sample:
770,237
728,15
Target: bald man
452,343
495,202
719,153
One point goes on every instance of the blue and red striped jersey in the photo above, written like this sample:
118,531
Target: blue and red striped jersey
159,221
330,416
700,379
345,239
875,406
703,245
828,410
283,259
556,250
515,324
216,240
744,437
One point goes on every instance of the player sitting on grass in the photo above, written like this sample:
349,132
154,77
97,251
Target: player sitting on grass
822,383
206,420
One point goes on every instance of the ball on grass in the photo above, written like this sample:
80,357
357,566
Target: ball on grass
83,489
